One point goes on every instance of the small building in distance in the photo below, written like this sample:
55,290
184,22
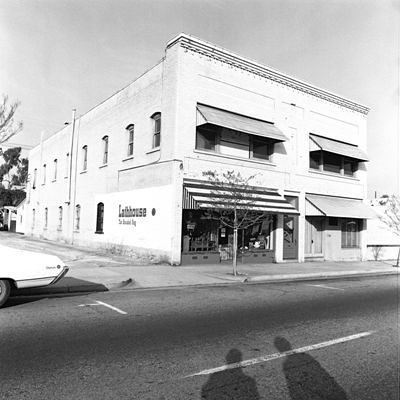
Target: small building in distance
13,217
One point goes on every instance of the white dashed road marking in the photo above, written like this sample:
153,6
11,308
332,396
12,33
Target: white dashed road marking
275,356
100,303
326,287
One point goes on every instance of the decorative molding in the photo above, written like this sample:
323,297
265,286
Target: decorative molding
209,50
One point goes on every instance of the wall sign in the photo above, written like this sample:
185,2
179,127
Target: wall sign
127,215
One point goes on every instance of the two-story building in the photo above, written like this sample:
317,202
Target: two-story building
128,174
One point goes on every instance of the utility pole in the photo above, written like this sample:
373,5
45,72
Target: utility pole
398,107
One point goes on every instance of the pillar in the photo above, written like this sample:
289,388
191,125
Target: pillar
279,239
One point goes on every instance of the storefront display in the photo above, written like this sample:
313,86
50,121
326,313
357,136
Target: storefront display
199,231
202,232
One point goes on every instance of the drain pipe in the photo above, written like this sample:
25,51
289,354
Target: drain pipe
70,155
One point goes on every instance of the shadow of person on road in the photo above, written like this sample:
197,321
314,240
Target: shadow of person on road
231,384
305,377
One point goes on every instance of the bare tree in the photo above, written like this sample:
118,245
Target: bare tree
8,127
392,217
234,204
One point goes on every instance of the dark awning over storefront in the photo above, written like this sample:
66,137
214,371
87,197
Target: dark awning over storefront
337,207
333,146
237,122
199,194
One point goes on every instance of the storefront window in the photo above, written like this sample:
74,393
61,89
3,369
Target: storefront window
199,231
203,232
257,236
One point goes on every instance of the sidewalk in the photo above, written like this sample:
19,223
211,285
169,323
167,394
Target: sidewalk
92,270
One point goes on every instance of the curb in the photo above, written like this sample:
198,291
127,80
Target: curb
130,283
268,279
317,276
120,285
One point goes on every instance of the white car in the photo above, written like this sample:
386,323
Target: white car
26,269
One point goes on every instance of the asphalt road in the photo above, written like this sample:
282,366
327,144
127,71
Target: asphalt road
311,340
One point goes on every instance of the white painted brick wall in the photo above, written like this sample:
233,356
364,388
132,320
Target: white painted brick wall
174,87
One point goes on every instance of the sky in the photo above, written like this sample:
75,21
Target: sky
57,55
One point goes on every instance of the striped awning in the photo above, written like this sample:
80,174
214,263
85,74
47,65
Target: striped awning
238,122
198,194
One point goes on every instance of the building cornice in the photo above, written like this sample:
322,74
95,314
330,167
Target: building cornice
211,51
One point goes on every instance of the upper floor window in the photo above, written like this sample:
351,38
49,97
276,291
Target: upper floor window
350,233
261,148
156,129
105,149
55,169
34,178
77,217
131,135
350,166
335,157
235,135
44,174
334,163
84,157
99,218
234,143
66,165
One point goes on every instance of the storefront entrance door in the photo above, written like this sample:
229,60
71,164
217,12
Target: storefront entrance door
290,231
313,239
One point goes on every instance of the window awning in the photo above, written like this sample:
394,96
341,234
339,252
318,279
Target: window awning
333,146
199,194
337,207
237,122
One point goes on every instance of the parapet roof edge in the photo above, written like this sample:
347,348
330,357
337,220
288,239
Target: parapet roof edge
211,50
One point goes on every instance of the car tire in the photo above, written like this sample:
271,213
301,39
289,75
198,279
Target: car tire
4,291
